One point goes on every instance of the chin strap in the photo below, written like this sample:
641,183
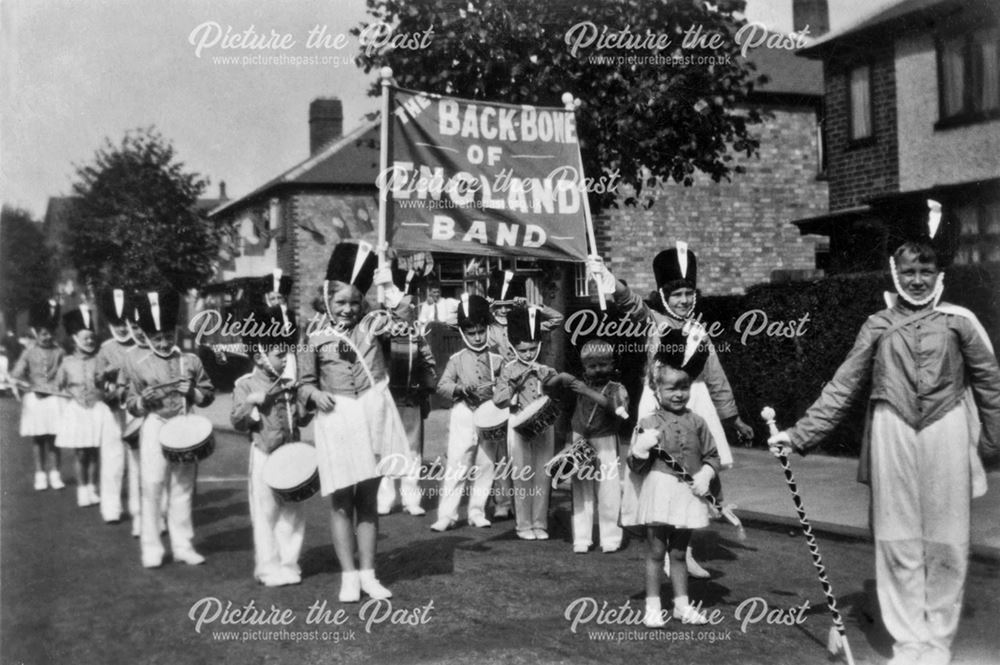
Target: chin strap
671,312
470,345
934,296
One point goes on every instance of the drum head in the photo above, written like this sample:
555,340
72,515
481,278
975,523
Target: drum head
528,412
489,415
183,432
290,466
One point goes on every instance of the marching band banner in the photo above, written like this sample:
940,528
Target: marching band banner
484,178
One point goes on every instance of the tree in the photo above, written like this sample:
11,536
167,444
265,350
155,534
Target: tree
26,266
641,117
138,225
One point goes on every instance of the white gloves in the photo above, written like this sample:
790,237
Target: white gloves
393,296
382,277
780,444
621,413
605,280
644,442
701,480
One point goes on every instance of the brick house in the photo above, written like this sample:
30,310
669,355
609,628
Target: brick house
912,106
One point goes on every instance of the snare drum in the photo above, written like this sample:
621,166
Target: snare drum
187,438
291,471
491,421
536,417
130,434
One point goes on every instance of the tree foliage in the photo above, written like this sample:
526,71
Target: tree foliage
138,226
641,118
26,266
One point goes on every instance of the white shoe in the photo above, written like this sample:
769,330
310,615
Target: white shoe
92,494
442,525
611,549
384,511
82,498
350,587
152,561
416,511
190,557
41,481
694,568
653,617
55,480
371,585
501,514
480,522
527,534
581,548
690,615
541,534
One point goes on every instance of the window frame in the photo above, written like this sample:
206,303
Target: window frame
967,115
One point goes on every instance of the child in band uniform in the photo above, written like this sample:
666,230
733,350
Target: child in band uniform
468,381
522,381
601,405
118,459
87,424
41,411
265,405
188,385
343,375
655,499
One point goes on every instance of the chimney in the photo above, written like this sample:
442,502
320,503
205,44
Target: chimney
326,122
812,13
222,191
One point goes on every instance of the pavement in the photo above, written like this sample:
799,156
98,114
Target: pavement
834,501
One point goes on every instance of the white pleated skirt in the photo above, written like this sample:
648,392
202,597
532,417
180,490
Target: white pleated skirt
83,427
660,499
40,415
351,439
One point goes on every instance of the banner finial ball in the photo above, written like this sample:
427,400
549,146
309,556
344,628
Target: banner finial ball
386,72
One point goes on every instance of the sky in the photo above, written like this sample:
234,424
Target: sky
75,73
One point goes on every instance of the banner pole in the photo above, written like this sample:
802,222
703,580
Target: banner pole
570,104
383,191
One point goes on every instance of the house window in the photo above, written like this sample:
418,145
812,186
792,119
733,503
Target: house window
969,76
861,103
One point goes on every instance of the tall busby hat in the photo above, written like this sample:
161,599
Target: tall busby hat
524,324
473,311
78,319
352,263
505,285
159,311
44,314
675,268
270,330
115,305
686,352
407,281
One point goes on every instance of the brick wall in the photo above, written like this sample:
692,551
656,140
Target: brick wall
351,214
857,172
740,230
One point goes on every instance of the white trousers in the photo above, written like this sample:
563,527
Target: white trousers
158,476
279,526
531,484
469,461
409,482
921,494
604,488
119,460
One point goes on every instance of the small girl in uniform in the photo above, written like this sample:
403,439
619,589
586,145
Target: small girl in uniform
343,374
87,422
655,498
41,411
